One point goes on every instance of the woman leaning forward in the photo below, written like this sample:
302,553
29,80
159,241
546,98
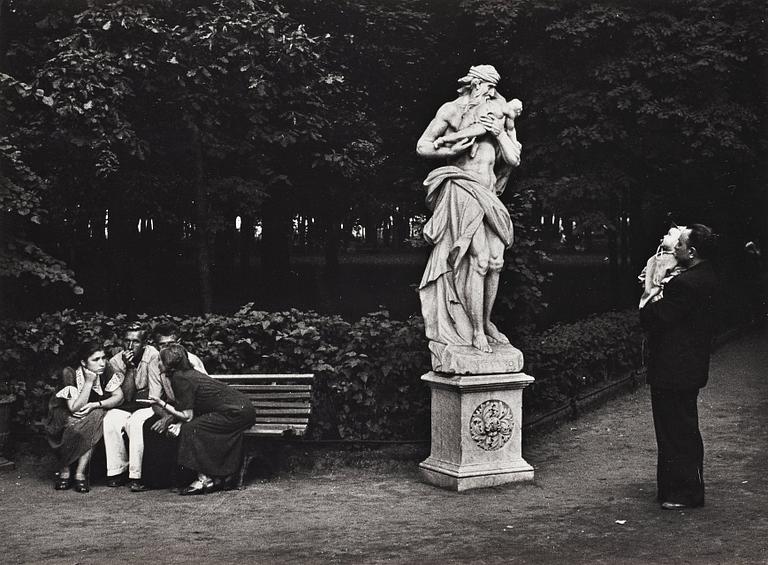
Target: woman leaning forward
212,417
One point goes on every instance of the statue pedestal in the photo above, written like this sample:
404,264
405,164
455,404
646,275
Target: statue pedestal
476,431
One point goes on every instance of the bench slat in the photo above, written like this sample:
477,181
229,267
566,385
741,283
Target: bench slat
268,388
260,404
281,420
264,377
282,411
288,396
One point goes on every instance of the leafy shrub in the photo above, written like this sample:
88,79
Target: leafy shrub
569,358
367,372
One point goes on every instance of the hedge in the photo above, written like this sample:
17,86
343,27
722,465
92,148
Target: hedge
367,372
570,359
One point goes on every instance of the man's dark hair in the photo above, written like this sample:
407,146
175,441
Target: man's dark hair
166,328
703,239
137,327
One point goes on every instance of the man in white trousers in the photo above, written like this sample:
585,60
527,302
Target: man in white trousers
139,363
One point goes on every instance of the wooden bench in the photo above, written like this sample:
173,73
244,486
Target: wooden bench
283,403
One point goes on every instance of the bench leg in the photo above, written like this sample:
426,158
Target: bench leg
241,474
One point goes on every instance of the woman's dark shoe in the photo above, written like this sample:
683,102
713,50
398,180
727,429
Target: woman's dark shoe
225,483
137,486
81,485
198,487
62,484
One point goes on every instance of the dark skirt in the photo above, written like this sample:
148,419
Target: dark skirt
160,468
213,443
72,437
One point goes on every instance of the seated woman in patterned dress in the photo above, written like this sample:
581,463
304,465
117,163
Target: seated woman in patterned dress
211,418
76,413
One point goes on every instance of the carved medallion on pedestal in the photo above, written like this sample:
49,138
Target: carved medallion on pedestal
491,425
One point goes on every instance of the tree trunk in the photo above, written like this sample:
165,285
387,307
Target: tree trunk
613,249
623,232
371,232
4,227
4,25
120,272
202,237
246,247
638,250
402,230
276,237
328,280
331,243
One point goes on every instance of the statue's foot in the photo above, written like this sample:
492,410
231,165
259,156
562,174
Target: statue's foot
479,341
494,334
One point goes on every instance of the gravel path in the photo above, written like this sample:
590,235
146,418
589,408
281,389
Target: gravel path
593,501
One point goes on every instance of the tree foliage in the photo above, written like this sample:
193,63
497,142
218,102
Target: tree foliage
194,112
622,97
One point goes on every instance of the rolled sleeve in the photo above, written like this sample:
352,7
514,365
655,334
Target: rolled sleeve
155,384
117,363
152,359
114,383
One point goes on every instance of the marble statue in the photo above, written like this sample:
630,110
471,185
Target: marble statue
470,227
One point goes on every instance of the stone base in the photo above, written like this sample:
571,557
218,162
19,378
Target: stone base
444,476
467,360
6,465
476,431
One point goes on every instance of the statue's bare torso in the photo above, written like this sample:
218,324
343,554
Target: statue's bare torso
478,155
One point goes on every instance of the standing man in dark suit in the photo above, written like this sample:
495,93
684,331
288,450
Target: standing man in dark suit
680,332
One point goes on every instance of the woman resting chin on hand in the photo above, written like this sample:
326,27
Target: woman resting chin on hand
76,412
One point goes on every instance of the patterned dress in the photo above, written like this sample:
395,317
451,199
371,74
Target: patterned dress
71,437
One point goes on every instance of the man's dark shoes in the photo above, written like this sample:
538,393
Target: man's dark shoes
117,480
81,485
137,486
680,506
62,484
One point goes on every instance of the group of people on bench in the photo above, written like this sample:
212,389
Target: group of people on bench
175,418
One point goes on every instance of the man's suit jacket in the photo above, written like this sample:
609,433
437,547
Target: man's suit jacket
680,330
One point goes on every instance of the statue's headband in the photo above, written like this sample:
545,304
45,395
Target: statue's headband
485,73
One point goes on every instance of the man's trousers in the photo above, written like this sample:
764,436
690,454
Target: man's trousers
119,458
680,467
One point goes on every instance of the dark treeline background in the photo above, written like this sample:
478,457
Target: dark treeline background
135,134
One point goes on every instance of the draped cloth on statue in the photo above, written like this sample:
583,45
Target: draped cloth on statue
461,205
